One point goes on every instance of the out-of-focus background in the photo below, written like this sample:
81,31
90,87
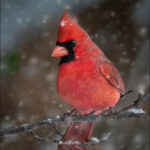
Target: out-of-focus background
28,73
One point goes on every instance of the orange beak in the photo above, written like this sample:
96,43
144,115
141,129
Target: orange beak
59,51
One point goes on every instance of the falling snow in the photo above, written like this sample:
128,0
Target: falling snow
108,76
28,19
21,103
77,57
50,77
62,23
45,19
143,32
60,105
7,117
19,20
76,126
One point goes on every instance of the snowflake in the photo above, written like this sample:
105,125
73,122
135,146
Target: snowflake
62,23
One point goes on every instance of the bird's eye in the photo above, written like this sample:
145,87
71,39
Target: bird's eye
68,44
58,43
71,43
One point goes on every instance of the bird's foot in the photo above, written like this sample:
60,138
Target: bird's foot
111,110
68,113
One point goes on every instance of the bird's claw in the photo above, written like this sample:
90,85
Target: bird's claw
68,113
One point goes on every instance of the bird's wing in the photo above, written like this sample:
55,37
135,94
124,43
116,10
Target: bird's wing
112,75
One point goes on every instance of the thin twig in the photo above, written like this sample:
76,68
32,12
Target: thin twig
140,99
41,137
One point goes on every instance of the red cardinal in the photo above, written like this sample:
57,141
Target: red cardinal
87,79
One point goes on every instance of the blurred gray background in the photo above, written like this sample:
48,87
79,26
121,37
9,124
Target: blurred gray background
28,73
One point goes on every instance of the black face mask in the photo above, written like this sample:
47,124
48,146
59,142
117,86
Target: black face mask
69,45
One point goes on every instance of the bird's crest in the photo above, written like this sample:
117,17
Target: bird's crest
67,19
68,28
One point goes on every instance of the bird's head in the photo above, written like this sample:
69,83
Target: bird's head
70,34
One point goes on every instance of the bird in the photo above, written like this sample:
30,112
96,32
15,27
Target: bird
86,78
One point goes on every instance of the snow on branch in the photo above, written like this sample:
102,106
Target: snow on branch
92,141
129,111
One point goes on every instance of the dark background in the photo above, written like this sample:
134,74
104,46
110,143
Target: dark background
28,73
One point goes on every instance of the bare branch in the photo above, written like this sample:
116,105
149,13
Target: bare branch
107,115
41,137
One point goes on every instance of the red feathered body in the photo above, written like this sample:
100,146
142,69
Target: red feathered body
81,84
89,82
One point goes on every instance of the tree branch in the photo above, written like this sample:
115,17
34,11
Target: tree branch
126,112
